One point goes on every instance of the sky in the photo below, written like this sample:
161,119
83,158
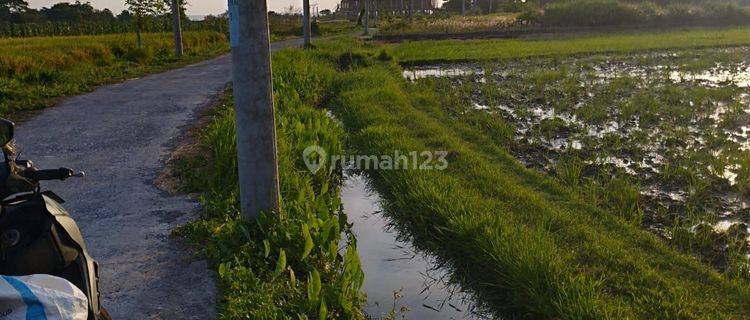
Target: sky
195,7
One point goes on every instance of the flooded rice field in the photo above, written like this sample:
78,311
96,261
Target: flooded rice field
400,281
662,139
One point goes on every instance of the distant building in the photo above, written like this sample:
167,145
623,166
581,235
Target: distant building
351,8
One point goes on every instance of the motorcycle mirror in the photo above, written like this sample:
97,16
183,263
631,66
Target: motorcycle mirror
6,131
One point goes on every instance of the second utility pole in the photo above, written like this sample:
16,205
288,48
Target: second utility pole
367,18
306,27
254,109
177,26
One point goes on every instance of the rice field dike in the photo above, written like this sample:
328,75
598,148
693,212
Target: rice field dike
423,52
35,72
582,183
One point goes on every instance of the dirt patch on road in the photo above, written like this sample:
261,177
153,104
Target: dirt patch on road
172,178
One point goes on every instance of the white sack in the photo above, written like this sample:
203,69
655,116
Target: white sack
41,297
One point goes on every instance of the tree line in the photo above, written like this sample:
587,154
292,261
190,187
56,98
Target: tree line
17,19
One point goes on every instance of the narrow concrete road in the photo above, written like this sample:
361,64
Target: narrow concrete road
121,135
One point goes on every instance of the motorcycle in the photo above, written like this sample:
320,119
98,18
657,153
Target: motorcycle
37,235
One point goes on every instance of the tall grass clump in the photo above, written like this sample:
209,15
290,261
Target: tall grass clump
595,13
288,264
591,13
34,72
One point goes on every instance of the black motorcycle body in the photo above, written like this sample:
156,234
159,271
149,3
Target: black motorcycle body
38,236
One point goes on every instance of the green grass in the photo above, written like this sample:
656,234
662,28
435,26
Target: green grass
530,246
35,72
287,265
561,45
283,28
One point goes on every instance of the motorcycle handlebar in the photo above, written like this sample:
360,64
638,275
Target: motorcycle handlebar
51,174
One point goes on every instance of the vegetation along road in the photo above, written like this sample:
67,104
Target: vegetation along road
121,135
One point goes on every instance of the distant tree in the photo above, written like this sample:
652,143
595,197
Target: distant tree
14,6
183,9
125,16
455,5
325,12
485,6
66,12
488,6
212,17
143,10
13,10
104,15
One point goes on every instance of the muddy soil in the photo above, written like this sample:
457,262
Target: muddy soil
673,127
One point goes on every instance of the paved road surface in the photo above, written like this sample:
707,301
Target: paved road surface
121,135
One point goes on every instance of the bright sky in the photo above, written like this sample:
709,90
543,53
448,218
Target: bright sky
196,7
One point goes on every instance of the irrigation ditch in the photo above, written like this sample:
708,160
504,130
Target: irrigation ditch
400,280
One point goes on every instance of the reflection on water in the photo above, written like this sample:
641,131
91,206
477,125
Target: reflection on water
440,71
738,75
397,276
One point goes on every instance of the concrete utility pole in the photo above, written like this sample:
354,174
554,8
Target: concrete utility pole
411,9
306,27
463,7
177,26
253,100
367,17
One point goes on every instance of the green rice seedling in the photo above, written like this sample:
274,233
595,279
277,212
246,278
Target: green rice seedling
705,236
569,170
682,237
571,92
743,173
493,126
491,93
647,109
738,266
623,197
594,111
552,128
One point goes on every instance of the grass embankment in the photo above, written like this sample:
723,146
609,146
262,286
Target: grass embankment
530,246
36,71
286,265
557,45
